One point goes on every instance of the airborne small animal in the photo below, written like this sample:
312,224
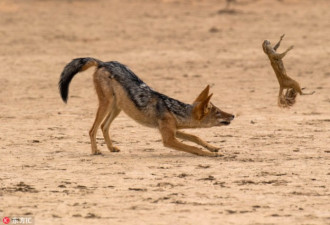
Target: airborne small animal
292,87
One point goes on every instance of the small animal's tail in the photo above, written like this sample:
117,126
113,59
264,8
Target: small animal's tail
70,70
309,93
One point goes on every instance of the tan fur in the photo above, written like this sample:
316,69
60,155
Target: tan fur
113,99
284,80
88,65
110,106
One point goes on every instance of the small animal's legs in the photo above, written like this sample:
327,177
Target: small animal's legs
281,102
281,55
279,42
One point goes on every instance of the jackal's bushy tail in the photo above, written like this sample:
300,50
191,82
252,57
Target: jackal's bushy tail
70,70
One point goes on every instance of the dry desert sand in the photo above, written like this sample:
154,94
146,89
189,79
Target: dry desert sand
275,168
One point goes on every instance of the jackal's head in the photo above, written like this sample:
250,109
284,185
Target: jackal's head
208,114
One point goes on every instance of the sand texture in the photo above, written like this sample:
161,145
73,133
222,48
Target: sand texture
275,167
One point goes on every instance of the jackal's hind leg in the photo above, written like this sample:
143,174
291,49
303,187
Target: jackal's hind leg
197,140
113,113
102,111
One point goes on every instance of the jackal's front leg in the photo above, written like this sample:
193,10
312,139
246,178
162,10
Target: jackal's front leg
197,140
167,129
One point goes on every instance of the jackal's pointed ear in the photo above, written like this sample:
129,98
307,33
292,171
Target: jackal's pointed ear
201,108
203,95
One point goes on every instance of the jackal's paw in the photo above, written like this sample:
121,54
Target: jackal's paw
114,149
212,148
96,152
217,154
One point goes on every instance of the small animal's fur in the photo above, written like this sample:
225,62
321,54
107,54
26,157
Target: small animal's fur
118,88
292,87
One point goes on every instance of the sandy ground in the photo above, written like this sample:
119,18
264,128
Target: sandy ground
275,168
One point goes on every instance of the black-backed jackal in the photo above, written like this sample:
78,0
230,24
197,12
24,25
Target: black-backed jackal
118,88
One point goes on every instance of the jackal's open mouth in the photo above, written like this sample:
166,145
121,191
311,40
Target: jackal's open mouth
225,122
